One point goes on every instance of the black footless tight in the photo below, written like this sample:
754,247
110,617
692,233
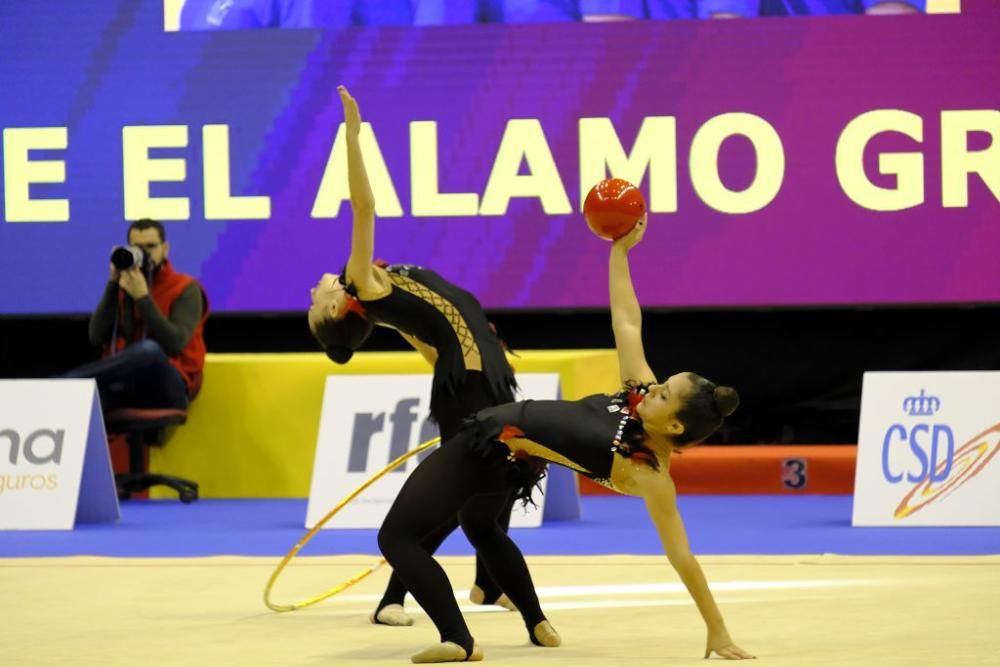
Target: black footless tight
395,591
456,482
474,395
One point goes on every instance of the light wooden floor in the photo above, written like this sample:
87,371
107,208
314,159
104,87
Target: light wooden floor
615,610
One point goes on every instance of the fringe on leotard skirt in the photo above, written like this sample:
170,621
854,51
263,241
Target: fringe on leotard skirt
485,436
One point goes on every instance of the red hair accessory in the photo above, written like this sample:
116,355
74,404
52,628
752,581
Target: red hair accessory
355,306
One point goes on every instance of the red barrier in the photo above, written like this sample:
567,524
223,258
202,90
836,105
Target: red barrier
759,469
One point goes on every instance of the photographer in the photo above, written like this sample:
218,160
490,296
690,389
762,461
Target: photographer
150,322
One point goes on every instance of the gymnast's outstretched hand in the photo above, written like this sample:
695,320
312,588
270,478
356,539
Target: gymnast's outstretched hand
720,642
352,116
632,239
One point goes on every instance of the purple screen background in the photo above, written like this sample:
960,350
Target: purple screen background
807,77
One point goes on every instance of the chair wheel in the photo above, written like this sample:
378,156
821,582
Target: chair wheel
187,496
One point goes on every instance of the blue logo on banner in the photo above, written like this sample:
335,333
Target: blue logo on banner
400,427
925,441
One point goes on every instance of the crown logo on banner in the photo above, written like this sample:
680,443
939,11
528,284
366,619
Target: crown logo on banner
922,405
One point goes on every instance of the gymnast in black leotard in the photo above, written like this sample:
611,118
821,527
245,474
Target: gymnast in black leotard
623,441
445,323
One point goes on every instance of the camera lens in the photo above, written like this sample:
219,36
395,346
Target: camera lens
125,257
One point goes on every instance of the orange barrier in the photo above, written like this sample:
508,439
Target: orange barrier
758,469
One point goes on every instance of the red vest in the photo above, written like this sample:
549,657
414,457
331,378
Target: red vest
166,288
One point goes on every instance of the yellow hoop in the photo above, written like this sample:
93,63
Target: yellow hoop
308,602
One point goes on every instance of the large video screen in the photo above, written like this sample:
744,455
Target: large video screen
786,161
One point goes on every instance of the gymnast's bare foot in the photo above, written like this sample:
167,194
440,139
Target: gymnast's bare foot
477,596
447,652
391,614
545,635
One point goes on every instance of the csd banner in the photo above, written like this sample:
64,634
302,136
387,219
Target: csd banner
927,450
55,468
370,420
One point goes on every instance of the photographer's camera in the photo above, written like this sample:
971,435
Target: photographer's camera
124,257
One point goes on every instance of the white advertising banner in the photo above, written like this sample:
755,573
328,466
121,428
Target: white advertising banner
55,468
927,450
368,421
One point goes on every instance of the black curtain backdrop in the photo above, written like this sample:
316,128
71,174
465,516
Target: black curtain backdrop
798,371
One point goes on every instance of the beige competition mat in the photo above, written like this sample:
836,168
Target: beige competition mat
610,610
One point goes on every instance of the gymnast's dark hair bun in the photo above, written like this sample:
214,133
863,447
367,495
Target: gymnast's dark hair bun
339,354
726,399
339,338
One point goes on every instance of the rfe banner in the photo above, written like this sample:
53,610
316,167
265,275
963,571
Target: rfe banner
368,421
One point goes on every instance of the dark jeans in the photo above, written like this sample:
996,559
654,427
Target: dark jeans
140,376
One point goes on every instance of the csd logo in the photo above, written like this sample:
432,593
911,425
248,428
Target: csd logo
925,440
941,467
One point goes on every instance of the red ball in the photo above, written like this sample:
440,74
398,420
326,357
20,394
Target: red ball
612,208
